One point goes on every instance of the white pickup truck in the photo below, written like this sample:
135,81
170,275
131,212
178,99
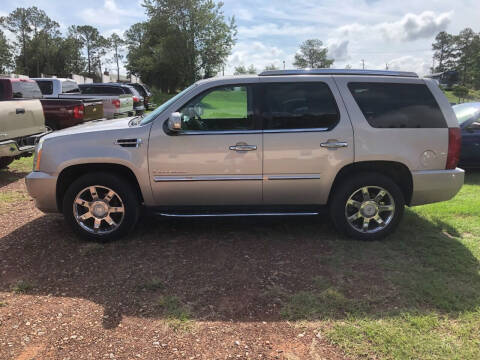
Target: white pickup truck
22,123
113,105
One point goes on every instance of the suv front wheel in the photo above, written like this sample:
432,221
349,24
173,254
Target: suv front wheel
101,207
367,206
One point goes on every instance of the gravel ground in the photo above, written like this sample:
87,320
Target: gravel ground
175,289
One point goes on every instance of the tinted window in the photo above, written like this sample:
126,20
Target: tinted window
46,87
140,89
3,94
387,105
69,87
221,109
127,90
26,89
466,112
299,106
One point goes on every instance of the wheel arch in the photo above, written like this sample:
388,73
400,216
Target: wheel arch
397,171
73,172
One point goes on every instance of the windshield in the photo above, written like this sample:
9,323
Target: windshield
465,112
150,117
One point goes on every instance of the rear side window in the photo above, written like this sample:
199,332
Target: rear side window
389,105
26,90
69,87
299,106
46,87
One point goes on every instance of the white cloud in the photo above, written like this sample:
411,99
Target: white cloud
413,27
108,14
338,49
243,14
271,29
256,53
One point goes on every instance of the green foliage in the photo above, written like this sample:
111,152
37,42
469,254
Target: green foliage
5,54
40,48
461,92
95,46
271,67
180,42
116,43
242,70
312,55
461,53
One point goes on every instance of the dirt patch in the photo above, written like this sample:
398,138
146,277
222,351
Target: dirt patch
193,289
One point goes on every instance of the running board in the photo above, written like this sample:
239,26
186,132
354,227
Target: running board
239,214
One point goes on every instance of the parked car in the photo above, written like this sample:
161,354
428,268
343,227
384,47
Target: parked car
61,88
59,113
468,115
145,92
21,125
361,143
126,97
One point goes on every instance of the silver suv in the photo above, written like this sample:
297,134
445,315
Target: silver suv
362,144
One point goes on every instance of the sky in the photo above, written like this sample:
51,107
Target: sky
382,33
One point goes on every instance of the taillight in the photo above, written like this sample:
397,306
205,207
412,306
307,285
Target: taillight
78,112
136,99
116,103
454,146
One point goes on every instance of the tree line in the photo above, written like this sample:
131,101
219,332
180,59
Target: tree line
39,47
461,53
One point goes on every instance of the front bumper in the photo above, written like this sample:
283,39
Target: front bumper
436,185
42,187
14,148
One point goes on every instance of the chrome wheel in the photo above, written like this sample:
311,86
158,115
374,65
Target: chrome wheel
370,209
98,209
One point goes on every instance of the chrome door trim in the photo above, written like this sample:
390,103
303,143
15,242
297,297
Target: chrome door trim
295,130
294,177
234,132
207,178
221,132
239,214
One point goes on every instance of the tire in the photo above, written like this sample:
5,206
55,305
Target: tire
350,209
99,206
5,161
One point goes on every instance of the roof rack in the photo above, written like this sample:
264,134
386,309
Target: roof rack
338,72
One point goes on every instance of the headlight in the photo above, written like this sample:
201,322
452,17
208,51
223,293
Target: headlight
38,155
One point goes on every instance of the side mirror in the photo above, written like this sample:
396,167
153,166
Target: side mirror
175,122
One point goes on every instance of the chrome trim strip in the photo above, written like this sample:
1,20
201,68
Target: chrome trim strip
222,132
295,130
239,214
207,178
234,132
294,177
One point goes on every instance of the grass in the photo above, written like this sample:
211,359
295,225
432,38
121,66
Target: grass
22,287
473,96
177,314
153,284
414,296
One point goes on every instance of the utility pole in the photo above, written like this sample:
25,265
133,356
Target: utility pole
283,64
386,66
363,64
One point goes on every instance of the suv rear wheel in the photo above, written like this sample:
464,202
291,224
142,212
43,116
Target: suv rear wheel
367,206
101,207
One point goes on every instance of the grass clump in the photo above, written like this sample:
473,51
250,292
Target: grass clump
22,287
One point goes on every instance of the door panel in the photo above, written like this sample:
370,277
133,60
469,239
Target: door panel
297,168
217,157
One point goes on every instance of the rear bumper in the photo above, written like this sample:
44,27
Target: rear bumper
14,148
42,187
436,185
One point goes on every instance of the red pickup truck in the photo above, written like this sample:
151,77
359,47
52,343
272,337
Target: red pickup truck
59,113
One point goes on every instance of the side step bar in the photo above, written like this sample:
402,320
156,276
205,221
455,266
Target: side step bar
235,215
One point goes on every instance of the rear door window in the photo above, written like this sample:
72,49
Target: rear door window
308,105
395,105
26,90
46,87
70,87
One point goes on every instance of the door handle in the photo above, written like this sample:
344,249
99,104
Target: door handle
243,147
20,111
334,144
